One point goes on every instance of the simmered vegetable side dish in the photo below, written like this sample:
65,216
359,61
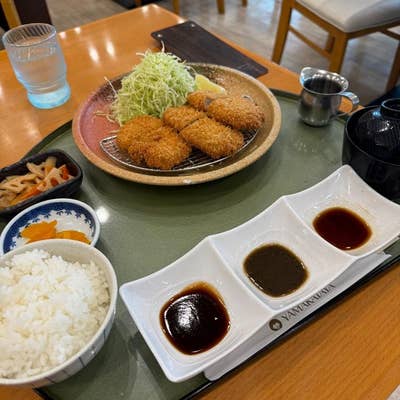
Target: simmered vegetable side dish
40,178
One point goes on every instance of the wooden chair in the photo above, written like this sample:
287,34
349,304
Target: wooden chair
175,4
11,14
19,12
343,20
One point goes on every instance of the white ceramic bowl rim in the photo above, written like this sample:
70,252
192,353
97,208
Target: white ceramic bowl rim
113,290
52,201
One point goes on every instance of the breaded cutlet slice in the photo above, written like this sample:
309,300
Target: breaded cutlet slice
139,144
213,138
136,127
163,148
201,99
236,111
180,117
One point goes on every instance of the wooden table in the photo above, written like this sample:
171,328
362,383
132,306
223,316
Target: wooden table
352,352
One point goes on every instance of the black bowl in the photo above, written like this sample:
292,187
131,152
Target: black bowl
65,189
381,175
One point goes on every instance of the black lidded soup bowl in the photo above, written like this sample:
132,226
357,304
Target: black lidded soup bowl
371,146
66,189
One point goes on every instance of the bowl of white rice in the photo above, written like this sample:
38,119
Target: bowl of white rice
57,306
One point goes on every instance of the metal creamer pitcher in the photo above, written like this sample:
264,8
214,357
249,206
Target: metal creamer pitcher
322,95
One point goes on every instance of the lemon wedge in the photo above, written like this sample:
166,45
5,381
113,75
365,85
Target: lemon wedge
203,83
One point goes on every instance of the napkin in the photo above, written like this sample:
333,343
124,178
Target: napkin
192,43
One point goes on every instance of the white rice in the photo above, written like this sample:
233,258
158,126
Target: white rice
49,310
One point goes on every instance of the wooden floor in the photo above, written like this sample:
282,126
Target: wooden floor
367,62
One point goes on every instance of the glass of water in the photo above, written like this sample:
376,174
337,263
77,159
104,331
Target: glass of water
38,63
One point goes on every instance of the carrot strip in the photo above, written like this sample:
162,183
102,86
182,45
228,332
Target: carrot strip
64,172
33,191
53,182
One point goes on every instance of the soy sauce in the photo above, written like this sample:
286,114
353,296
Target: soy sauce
195,320
275,270
343,228
323,85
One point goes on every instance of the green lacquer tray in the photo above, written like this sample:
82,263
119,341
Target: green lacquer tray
144,228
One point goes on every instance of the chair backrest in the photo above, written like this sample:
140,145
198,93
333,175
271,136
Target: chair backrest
19,12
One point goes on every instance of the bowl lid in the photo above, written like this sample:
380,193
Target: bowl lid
378,131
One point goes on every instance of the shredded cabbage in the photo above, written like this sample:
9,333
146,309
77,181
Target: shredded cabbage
160,81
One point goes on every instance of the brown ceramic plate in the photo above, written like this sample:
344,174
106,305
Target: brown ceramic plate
90,127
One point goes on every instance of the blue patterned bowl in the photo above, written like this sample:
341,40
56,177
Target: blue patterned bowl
70,215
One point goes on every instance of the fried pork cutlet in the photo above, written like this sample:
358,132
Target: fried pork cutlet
201,99
139,144
213,138
162,148
136,127
238,112
180,117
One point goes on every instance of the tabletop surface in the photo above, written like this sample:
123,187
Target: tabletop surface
351,352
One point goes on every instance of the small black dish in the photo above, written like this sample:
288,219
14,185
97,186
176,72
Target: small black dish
65,189
370,146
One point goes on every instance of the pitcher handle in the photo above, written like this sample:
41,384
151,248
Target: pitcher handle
355,101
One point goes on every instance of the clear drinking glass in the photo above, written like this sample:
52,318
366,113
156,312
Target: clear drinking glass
38,63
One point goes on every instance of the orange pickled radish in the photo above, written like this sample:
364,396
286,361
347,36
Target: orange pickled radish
47,230
48,235
74,235
40,231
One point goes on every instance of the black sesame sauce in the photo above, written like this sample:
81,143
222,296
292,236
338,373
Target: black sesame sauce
275,270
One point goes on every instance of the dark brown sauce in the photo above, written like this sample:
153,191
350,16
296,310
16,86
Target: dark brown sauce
275,270
195,319
342,228
322,85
